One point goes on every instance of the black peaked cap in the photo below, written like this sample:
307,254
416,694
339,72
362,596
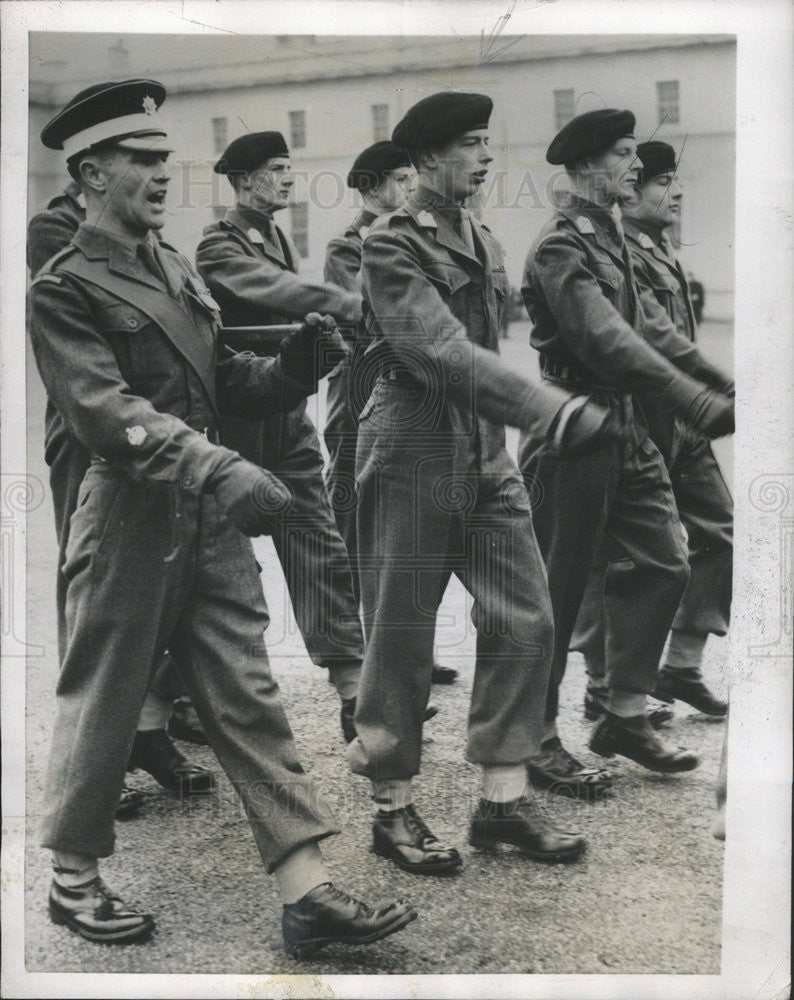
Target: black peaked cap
104,102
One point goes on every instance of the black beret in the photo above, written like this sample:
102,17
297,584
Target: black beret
436,120
250,151
109,113
371,165
657,158
587,134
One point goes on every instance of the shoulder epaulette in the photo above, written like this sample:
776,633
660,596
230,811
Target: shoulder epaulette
46,273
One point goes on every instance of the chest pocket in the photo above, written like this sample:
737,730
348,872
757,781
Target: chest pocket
142,351
447,276
500,283
608,274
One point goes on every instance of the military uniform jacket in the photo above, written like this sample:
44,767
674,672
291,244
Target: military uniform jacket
587,317
255,283
130,363
433,305
49,231
662,283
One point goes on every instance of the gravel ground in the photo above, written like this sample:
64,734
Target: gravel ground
646,898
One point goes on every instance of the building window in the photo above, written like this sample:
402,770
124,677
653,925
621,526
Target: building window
564,108
667,101
220,134
297,129
380,122
299,215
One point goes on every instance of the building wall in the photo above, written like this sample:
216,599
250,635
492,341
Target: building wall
339,123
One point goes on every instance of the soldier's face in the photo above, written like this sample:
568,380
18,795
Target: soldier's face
136,186
393,189
271,184
614,173
462,165
657,202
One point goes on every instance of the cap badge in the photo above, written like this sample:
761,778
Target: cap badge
426,219
136,435
149,107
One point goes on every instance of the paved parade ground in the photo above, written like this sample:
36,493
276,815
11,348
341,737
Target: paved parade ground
646,897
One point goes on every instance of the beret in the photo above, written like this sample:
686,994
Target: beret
435,120
587,134
250,151
120,113
372,163
657,158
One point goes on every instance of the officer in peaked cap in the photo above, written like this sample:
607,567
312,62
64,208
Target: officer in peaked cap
251,268
134,110
124,334
704,502
437,487
594,337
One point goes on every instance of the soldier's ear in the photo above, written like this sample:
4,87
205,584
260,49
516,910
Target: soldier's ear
92,175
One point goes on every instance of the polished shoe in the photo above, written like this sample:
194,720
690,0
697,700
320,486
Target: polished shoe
634,738
326,915
594,708
444,675
688,685
152,751
184,723
559,771
92,911
405,839
130,801
522,824
347,714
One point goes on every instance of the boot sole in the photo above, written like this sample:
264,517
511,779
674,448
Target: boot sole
441,868
120,937
491,844
305,949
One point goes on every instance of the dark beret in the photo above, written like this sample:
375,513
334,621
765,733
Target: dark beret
250,151
436,120
587,134
371,165
107,113
657,158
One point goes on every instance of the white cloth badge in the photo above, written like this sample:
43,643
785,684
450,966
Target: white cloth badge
646,242
584,225
426,219
255,236
136,435
363,232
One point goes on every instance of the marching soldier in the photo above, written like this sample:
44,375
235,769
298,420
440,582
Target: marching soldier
68,460
438,494
124,334
589,328
381,173
704,502
251,268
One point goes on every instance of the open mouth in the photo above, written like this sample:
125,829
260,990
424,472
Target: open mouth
156,198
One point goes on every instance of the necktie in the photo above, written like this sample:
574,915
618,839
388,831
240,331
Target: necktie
465,231
149,260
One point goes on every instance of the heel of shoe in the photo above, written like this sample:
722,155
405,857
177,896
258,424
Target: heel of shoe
483,841
601,747
55,916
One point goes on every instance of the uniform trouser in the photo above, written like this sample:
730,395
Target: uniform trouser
616,500
417,525
314,558
706,511
151,567
68,463
340,434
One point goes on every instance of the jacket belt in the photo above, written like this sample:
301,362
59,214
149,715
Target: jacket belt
554,368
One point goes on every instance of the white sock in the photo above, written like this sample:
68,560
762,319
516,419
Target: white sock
626,704
345,679
155,713
300,872
504,782
391,795
75,869
686,650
